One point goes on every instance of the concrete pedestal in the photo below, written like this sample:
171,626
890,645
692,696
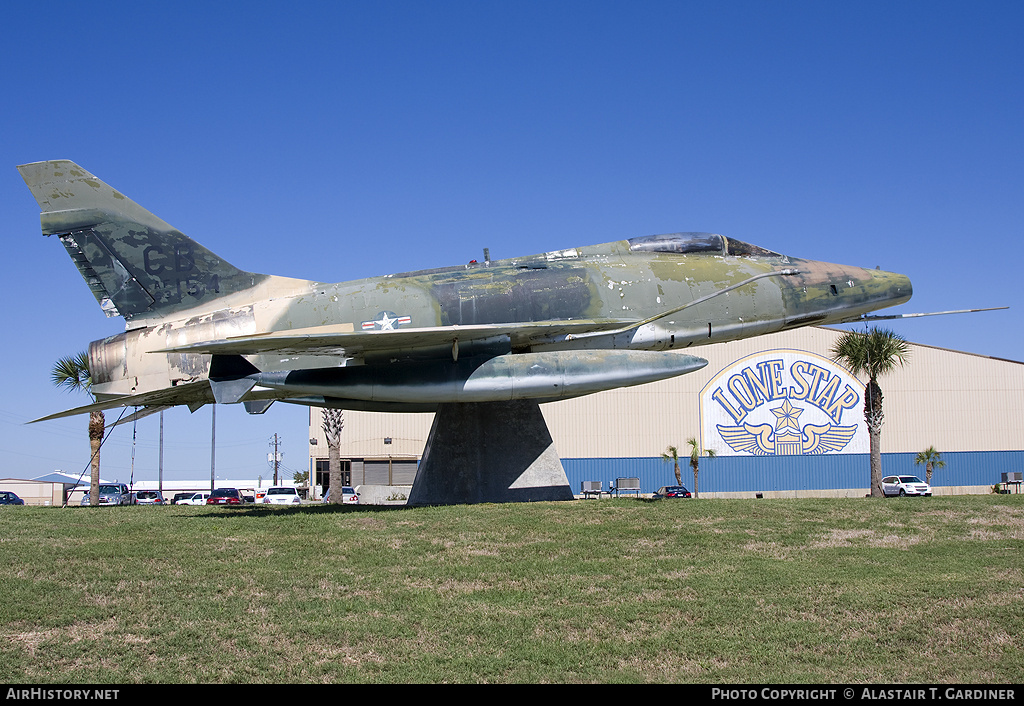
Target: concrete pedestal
493,452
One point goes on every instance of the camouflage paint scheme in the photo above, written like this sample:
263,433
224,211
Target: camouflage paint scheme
542,327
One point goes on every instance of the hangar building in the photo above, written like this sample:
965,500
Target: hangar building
782,418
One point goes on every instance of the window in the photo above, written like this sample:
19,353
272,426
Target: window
323,472
684,243
680,243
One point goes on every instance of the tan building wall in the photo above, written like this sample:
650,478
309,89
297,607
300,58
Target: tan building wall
365,434
34,492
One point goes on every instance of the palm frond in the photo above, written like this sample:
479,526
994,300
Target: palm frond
875,353
72,373
930,455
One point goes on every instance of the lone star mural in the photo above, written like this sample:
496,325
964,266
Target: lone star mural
783,402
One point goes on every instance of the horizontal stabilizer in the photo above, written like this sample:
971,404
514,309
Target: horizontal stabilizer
142,413
194,393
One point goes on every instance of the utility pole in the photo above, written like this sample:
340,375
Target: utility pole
276,459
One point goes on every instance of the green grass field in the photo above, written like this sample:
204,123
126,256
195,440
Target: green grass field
610,591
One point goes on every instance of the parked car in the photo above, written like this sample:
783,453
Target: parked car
904,485
110,494
178,497
9,498
672,491
282,495
225,496
349,496
149,497
195,499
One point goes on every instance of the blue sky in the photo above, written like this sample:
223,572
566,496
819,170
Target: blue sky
336,140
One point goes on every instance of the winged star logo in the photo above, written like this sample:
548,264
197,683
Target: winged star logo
787,438
782,403
386,321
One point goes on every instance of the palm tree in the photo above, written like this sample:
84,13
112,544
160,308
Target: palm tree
874,353
332,421
72,373
931,459
672,454
695,454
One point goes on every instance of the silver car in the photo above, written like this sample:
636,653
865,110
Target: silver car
149,497
111,494
904,485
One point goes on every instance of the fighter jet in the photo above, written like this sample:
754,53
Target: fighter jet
529,330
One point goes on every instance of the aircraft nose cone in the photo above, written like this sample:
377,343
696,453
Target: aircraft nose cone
829,293
893,287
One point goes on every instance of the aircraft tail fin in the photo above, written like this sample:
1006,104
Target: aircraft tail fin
134,262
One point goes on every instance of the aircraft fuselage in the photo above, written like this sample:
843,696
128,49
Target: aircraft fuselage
614,285
542,327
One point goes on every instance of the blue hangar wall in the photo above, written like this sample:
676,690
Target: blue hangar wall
733,474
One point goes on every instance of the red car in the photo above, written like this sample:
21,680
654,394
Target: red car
225,496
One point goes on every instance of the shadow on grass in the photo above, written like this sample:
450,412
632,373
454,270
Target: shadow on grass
284,510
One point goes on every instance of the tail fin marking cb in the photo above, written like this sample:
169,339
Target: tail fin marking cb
134,262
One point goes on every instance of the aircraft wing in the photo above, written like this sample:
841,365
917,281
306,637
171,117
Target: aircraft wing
351,344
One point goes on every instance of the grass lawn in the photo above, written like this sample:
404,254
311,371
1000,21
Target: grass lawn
624,590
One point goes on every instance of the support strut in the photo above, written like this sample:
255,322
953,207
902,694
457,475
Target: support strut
489,452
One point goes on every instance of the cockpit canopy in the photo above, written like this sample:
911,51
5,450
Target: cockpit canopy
684,243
